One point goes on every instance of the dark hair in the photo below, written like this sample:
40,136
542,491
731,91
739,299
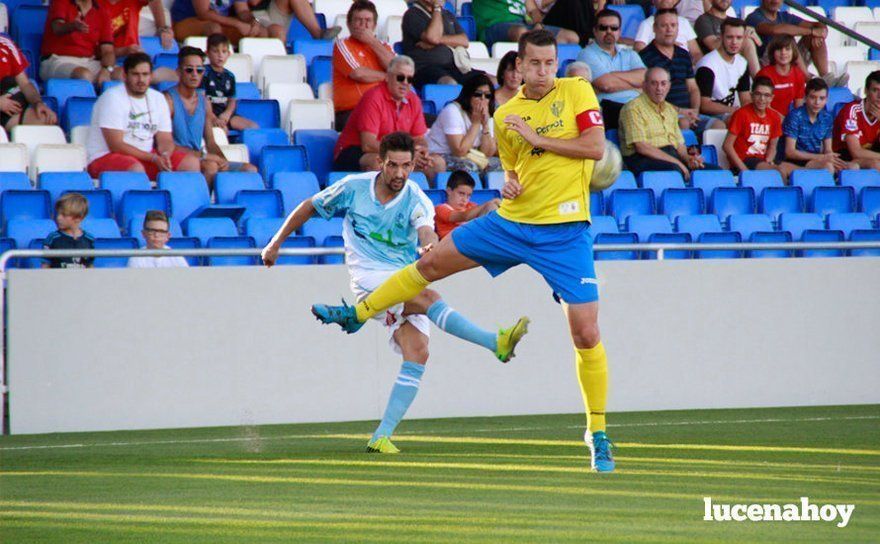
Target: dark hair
540,38
470,86
873,77
136,59
667,11
460,177
781,41
396,141
816,84
362,5
217,39
608,12
762,81
155,215
189,51
732,21
507,62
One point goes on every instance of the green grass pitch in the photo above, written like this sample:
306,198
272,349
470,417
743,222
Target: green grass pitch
502,479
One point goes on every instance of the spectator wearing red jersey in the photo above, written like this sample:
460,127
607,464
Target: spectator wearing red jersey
857,127
20,102
458,208
125,16
754,131
77,42
390,107
788,80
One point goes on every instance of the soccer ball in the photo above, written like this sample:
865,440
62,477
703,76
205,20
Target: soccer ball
607,170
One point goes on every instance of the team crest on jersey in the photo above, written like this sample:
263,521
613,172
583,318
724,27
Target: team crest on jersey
557,107
399,221
851,124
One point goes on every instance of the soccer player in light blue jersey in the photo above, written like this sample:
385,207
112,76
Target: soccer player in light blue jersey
389,223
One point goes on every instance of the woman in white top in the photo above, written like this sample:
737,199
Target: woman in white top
463,133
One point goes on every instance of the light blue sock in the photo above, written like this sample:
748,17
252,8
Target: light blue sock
402,395
458,325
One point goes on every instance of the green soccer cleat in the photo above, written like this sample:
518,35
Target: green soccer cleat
382,445
509,338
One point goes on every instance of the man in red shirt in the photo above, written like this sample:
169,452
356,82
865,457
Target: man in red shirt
754,131
125,16
458,208
20,102
857,127
77,42
387,108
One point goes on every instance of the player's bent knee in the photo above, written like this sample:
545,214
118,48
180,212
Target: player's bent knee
586,336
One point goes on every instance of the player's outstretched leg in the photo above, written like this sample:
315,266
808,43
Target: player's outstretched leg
501,344
343,315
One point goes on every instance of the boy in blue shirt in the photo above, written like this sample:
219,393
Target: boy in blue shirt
70,210
219,86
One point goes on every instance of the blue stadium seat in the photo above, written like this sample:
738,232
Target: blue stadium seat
495,180
469,25
437,196
59,182
719,238
709,180
319,150
864,236
257,139
643,226
828,200
152,46
135,228
750,223
8,244
422,180
136,202
14,180
616,238
769,238
169,60
695,225
205,228
188,190
597,203
566,52
631,16
282,158
298,242
675,202
443,177
627,202
467,9
838,95
759,180
859,179
100,203
29,204
690,138
320,229
262,229
109,85
35,262
729,201
297,31
64,89
613,136
440,94
603,224
775,201
261,203
313,48
709,154
848,222
808,180
186,242
668,238
163,86
265,113
797,223
660,181
626,180
101,228
481,196
25,230
78,112
27,23
246,90
332,241
320,71
334,177
295,187
228,184
119,182
234,242
869,202
811,235
114,243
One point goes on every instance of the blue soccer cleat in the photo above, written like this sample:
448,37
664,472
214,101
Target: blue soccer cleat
600,446
345,316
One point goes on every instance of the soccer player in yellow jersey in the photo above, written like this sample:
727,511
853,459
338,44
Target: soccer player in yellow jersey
549,136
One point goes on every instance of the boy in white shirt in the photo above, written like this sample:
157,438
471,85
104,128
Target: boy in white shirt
156,233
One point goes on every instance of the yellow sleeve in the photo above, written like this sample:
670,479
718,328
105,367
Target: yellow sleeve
505,148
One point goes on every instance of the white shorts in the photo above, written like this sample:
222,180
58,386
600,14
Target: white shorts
364,282
60,67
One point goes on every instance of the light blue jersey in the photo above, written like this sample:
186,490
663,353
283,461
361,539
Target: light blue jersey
377,237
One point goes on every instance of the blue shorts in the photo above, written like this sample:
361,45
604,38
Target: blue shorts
561,253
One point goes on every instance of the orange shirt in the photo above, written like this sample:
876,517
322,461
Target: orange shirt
442,223
349,54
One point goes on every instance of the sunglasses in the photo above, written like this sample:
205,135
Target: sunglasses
482,95
608,28
190,69
401,78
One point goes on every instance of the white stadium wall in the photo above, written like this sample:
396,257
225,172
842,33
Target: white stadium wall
139,349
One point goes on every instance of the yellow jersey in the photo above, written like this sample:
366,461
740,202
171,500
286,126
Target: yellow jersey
556,189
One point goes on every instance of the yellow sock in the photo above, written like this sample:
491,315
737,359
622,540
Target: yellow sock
400,287
592,369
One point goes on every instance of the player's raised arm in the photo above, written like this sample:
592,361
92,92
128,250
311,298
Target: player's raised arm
294,221
589,144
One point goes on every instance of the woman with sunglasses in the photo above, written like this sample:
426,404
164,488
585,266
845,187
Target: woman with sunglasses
463,134
509,79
